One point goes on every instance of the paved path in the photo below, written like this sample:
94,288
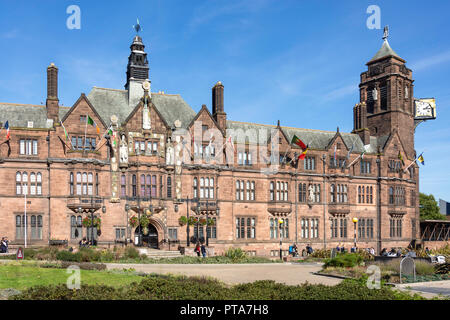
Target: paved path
428,289
288,273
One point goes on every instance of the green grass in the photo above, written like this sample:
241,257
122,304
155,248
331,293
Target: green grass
25,275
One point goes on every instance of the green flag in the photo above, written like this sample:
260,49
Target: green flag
90,120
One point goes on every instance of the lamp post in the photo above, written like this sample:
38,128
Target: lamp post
355,220
127,208
280,222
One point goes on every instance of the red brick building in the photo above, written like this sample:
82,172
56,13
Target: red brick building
140,168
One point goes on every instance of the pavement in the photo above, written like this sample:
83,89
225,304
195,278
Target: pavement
287,273
427,289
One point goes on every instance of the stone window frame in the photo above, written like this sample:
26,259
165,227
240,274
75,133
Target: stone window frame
275,229
279,190
309,226
29,184
30,146
242,230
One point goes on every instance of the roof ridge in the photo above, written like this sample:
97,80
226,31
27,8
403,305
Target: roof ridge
21,104
167,94
285,127
121,90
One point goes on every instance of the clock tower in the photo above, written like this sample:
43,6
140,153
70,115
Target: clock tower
386,98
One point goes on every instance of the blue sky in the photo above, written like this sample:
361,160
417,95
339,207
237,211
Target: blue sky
296,61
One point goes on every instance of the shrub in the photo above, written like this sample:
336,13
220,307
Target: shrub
68,256
424,268
107,256
164,287
131,253
321,253
235,254
89,255
344,260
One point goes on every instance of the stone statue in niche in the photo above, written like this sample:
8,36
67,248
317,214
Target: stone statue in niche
311,193
146,118
374,94
169,152
123,150
406,92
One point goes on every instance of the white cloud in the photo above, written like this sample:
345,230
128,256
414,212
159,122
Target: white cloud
431,61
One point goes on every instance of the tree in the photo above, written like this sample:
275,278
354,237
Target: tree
429,209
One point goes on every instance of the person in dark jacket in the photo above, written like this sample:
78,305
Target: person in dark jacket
3,245
203,249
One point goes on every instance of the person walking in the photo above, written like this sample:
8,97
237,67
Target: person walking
3,245
197,249
203,249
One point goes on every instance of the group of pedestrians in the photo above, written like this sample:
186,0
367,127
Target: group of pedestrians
4,245
200,249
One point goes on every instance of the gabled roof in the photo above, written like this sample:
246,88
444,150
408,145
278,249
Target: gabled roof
204,109
83,97
110,102
385,51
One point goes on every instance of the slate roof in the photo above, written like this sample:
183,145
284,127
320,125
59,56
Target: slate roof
385,51
111,101
18,115
316,139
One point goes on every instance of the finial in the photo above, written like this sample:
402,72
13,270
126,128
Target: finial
278,123
137,26
386,33
337,129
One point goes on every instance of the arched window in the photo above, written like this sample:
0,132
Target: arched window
71,184
154,186
142,185
391,195
195,184
272,197
32,183
18,183
84,183
123,185
90,184
332,193
169,187
24,183
133,185
79,183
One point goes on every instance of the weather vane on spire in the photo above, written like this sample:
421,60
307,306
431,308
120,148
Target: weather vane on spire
137,26
386,33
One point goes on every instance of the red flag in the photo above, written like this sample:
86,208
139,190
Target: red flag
298,142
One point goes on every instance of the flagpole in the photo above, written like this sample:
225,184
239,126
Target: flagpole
414,161
354,161
26,215
85,129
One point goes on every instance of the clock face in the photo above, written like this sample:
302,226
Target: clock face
425,109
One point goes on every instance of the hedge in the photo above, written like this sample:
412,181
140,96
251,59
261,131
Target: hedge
164,287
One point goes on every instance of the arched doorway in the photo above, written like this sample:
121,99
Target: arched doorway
151,238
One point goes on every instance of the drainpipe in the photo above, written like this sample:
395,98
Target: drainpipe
48,182
324,157
296,205
378,205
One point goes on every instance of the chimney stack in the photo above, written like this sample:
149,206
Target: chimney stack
52,102
217,105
